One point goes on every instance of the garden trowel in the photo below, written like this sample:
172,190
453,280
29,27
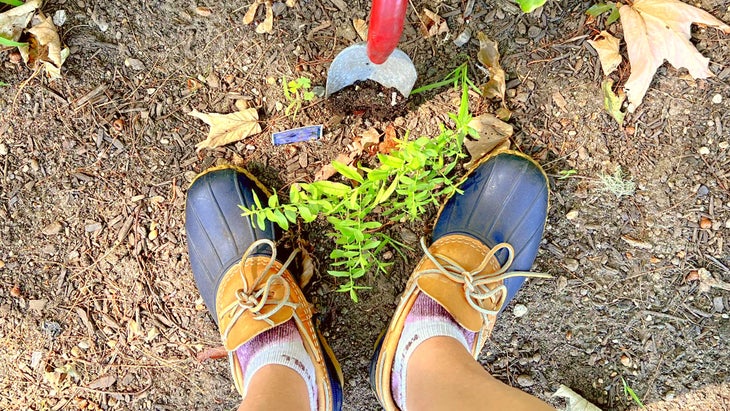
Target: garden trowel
378,59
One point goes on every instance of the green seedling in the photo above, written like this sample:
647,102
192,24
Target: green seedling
600,8
14,3
296,92
566,174
399,188
617,183
630,392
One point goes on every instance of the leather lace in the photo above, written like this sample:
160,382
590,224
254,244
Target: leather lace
248,299
475,282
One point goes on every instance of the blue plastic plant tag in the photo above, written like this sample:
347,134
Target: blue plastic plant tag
296,135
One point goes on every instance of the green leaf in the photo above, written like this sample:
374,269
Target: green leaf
611,102
280,219
14,3
290,214
307,215
11,43
390,161
261,221
614,16
528,6
347,171
3,84
599,8
273,201
308,96
256,200
340,274
333,189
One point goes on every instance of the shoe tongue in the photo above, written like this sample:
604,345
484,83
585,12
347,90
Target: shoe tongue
246,326
469,254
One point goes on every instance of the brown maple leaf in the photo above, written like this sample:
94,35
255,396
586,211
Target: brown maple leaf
658,30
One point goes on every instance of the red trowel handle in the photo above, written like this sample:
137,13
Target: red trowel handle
386,26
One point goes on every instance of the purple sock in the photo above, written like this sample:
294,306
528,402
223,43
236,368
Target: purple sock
426,319
280,345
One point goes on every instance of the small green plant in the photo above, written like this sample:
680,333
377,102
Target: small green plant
398,189
617,183
296,92
600,8
630,392
14,3
566,174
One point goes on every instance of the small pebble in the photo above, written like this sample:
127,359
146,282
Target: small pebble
703,191
626,360
718,305
463,38
519,311
705,222
318,91
59,17
571,264
525,380
717,99
571,215
3,149
704,151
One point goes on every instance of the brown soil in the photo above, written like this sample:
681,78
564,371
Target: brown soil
97,303
368,99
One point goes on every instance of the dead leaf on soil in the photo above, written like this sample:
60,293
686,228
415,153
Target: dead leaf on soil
102,382
307,265
251,12
213,353
368,139
494,135
389,141
612,102
361,27
15,20
432,24
658,30
228,128
267,26
607,47
44,48
488,55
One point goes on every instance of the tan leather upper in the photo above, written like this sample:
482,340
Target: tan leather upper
469,253
232,289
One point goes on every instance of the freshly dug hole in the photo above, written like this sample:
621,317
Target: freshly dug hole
369,99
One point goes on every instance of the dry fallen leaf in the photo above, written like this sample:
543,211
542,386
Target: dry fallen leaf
267,26
102,382
307,265
228,128
361,27
494,134
658,30
15,20
432,24
488,55
251,12
389,141
370,138
203,11
607,47
44,48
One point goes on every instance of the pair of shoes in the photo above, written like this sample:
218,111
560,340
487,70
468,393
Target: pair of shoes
484,241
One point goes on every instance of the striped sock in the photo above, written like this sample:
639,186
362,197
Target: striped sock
426,319
280,345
